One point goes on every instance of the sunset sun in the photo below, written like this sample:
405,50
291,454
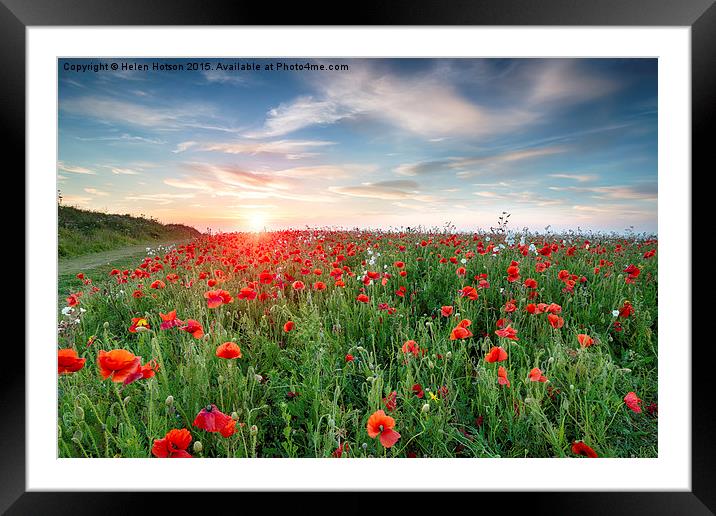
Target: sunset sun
256,222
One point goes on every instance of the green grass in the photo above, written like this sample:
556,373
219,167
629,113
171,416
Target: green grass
583,399
82,232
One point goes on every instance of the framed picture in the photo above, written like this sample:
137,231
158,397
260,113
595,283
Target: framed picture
418,252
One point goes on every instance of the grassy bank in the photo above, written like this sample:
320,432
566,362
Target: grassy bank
83,232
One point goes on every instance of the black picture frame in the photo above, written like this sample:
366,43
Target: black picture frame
699,15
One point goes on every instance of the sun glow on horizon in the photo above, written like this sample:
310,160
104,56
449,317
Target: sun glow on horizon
256,222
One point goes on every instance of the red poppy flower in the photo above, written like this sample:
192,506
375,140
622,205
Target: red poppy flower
169,320
507,333
216,298
410,346
266,278
247,293
298,285
149,369
579,448
138,323
290,325
118,363
211,419
342,448
157,284
228,350
537,376
350,358
461,331
530,283
502,376
468,292
418,390
496,354
319,285
553,308
446,311
194,328
633,402
391,402
363,298
555,321
68,361
379,424
626,310
585,340
173,445
532,309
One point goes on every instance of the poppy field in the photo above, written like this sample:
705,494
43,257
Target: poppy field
348,344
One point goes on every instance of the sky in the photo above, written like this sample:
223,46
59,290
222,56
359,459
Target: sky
381,143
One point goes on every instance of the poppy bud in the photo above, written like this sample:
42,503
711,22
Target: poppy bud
254,430
448,354
169,401
259,378
220,379
426,408
198,447
79,413
77,436
360,348
370,379
142,329
126,400
59,432
105,325
235,416
550,360
364,446
430,364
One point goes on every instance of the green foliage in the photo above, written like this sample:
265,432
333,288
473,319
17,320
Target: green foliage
295,395
84,232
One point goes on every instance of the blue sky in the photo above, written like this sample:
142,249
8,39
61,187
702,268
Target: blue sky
387,143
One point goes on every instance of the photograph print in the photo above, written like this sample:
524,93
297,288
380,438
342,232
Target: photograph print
353,258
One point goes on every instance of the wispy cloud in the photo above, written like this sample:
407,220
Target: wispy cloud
425,105
183,146
122,138
462,163
385,190
159,198
645,191
94,191
581,178
566,81
110,110
124,171
61,165
290,149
